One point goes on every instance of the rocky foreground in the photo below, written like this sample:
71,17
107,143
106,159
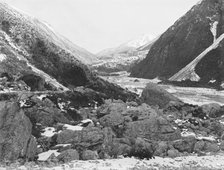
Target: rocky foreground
60,127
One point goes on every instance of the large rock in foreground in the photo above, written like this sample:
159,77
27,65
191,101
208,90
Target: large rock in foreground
155,95
15,133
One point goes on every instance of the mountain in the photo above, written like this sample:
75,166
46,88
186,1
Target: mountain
48,32
121,58
128,46
33,53
191,49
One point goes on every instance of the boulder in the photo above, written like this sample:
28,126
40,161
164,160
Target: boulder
92,136
216,128
199,146
212,110
211,147
173,153
161,149
15,133
142,149
68,155
115,106
44,111
112,120
108,143
36,83
109,135
86,138
90,155
154,128
141,112
182,110
221,146
155,95
119,146
115,121
31,148
185,145
68,136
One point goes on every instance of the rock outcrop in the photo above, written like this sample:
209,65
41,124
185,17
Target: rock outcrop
16,140
157,96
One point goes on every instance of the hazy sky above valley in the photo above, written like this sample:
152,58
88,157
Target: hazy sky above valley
99,24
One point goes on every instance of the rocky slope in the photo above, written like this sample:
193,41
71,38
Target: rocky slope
60,127
124,56
191,49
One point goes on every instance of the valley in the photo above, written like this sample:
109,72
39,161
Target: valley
154,102
191,95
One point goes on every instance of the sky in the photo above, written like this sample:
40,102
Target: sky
99,24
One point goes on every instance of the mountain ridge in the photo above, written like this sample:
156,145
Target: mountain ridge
48,31
182,42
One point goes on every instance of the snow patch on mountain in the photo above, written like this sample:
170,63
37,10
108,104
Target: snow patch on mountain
214,29
123,57
140,41
128,46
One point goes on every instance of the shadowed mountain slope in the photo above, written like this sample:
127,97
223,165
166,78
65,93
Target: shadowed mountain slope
193,44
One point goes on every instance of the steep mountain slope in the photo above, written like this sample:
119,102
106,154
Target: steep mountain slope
124,56
41,47
192,47
32,52
47,32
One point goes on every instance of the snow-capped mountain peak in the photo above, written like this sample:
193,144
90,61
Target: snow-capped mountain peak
129,45
140,41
